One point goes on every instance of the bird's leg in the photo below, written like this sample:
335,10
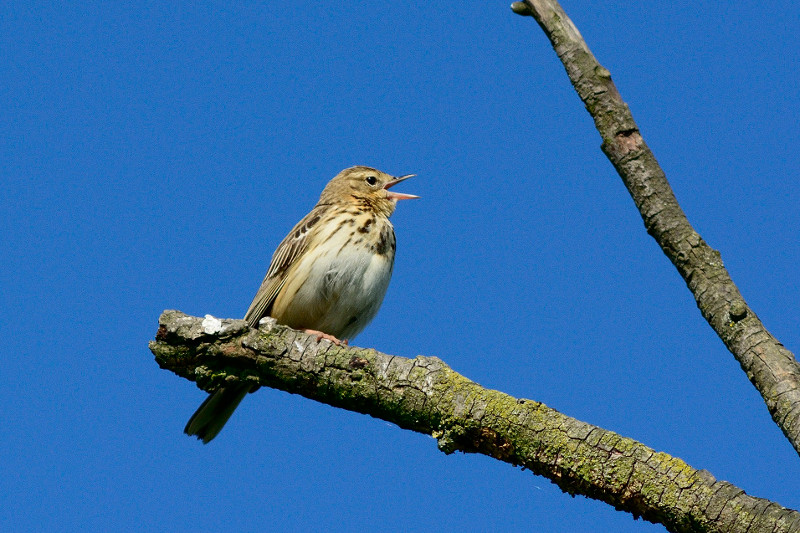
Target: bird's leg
320,335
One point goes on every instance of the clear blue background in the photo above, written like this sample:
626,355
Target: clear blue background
152,156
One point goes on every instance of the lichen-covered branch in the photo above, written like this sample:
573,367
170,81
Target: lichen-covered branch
770,367
425,395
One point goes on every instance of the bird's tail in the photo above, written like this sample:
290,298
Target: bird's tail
214,412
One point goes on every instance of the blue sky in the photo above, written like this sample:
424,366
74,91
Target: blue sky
154,155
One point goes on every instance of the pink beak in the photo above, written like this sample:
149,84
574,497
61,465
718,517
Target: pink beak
399,195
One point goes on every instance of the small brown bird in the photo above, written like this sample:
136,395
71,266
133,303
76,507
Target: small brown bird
328,276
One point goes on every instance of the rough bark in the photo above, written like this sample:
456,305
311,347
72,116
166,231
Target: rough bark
424,395
771,368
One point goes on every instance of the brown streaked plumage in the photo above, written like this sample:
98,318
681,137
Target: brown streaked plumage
327,277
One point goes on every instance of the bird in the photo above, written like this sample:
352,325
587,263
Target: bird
327,277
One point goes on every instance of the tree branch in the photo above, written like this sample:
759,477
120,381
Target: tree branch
771,368
425,395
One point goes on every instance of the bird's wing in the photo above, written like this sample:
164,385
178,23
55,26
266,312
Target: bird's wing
288,251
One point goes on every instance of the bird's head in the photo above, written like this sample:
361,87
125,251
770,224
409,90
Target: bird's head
365,186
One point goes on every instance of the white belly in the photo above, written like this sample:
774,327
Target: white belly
341,294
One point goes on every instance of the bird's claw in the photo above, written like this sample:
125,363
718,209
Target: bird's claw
321,335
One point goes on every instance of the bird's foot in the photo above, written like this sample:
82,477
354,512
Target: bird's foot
320,335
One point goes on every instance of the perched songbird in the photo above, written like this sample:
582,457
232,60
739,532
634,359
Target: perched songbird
328,277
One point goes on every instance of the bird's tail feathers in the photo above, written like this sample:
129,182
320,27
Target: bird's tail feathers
214,412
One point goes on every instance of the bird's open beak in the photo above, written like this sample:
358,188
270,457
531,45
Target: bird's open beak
399,195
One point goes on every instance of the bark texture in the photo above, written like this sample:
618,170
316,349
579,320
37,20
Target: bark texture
425,395
771,368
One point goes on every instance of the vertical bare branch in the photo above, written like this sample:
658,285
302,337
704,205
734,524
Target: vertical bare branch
771,368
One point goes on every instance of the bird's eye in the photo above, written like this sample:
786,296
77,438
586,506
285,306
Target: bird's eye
372,180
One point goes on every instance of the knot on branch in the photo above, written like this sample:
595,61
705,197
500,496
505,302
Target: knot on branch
737,310
477,439
522,8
